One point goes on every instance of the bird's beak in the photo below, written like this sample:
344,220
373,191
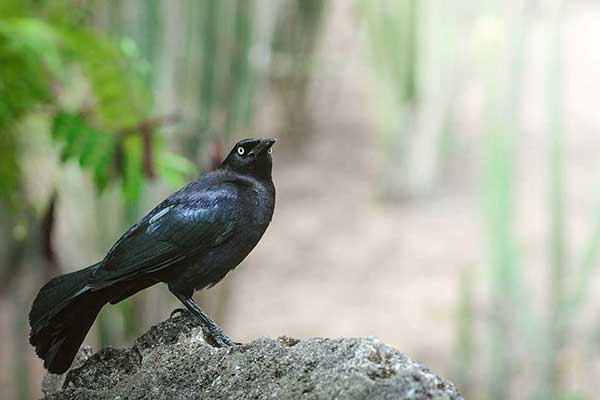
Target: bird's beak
262,146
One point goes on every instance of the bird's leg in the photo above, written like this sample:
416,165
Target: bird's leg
211,329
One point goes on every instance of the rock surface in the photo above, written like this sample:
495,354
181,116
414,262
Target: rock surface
172,361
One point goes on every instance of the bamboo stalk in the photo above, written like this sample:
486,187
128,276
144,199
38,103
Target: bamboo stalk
504,66
550,384
465,335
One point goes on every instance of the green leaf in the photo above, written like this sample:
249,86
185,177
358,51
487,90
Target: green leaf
175,169
133,174
102,167
38,41
93,148
9,165
116,77
59,123
69,128
88,151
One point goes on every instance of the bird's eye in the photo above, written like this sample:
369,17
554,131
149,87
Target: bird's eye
240,151
270,151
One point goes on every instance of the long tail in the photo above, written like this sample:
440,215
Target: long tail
61,316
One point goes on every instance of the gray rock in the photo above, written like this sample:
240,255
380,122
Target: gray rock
172,361
53,383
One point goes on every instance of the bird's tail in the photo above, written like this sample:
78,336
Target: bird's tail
60,317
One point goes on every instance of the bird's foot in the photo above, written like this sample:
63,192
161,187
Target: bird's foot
218,339
178,311
212,333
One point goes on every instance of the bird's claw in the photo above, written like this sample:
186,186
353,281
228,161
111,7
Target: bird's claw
220,340
177,311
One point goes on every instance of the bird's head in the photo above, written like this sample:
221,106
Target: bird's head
251,156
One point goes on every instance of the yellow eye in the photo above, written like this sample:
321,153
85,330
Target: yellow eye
270,151
240,151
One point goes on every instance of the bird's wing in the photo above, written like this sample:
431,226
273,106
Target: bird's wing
173,232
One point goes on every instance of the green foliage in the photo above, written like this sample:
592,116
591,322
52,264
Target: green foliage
132,167
92,148
116,75
174,168
43,63
27,52
9,165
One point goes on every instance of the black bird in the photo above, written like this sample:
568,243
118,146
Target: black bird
189,241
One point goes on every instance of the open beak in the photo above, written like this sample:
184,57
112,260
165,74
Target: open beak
262,146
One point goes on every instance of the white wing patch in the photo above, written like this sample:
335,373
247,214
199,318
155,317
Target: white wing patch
160,214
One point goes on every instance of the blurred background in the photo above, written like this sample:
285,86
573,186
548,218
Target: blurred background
437,172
